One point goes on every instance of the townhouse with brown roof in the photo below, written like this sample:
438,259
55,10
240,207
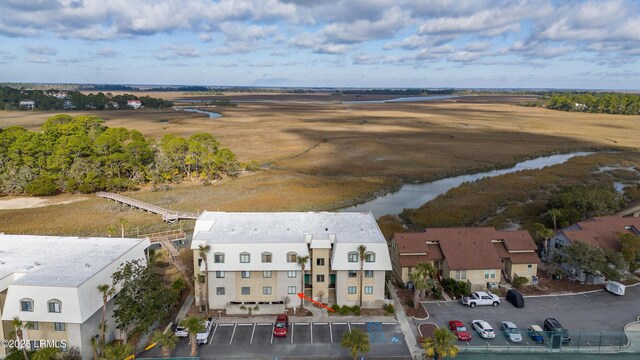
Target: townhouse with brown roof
601,231
479,255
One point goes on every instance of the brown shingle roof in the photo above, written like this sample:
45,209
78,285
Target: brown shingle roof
433,252
466,248
602,231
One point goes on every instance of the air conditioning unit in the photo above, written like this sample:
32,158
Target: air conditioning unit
534,280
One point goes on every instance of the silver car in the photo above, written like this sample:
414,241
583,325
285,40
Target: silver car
511,332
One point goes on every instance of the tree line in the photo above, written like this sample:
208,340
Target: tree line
82,155
398,92
606,103
45,100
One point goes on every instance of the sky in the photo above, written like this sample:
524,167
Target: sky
337,43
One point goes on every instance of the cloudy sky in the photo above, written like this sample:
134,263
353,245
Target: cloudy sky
361,43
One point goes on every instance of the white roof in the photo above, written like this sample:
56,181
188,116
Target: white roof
280,232
68,269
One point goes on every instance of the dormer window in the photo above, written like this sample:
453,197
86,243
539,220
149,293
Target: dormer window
245,258
26,305
353,256
266,257
54,306
292,257
218,258
370,257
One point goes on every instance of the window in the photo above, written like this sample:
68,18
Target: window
292,257
266,257
460,274
26,305
218,258
246,290
54,306
368,290
370,257
529,268
266,290
351,290
246,274
291,273
219,274
35,325
319,278
245,258
559,244
291,290
353,273
58,326
220,291
266,274
353,256
368,273
320,261
490,274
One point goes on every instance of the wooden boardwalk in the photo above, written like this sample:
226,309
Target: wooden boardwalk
166,239
169,216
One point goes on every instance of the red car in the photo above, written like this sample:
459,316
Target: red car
281,328
458,328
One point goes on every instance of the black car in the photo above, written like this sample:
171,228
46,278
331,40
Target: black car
555,328
514,297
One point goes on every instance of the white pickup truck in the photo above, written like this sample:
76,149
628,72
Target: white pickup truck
203,337
480,298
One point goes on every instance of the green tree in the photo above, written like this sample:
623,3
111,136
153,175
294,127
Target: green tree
576,203
142,299
118,351
585,257
441,345
46,353
203,250
554,214
107,291
167,340
302,262
357,341
19,326
630,249
362,254
194,325
419,284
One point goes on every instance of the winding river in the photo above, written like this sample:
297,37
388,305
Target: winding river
415,195
210,113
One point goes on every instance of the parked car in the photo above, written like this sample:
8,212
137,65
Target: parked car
536,334
281,327
552,325
515,298
484,329
181,331
615,288
203,337
511,332
461,332
480,298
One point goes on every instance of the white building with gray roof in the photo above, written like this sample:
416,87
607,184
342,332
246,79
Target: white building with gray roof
253,258
51,282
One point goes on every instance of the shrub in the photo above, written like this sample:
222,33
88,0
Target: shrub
437,293
389,309
519,281
45,185
355,309
409,302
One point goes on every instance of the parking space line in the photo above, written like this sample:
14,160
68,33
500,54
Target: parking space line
388,323
349,326
292,328
252,332
271,342
331,333
233,333
585,295
214,334
311,329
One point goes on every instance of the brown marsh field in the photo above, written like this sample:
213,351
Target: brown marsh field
317,153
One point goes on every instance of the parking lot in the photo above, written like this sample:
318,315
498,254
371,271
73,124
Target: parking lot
592,319
306,340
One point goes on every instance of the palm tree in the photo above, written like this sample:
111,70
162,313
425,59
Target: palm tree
357,341
419,284
46,353
167,340
429,273
118,351
19,325
95,343
194,325
203,250
107,291
362,251
123,223
555,214
441,345
302,262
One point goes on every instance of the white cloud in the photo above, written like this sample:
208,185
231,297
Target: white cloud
38,59
40,50
175,51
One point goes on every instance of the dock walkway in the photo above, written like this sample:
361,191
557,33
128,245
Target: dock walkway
169,216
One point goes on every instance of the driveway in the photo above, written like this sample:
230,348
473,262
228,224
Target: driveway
593,319
306,340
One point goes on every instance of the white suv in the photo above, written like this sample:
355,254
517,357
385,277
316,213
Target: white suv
480,298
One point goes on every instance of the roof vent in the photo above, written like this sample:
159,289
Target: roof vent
287,229
87,265
36,264
2,262
326,229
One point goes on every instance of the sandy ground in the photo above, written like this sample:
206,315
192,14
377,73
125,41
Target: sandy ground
34,202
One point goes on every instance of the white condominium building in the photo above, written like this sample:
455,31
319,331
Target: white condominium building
253,258
51,282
